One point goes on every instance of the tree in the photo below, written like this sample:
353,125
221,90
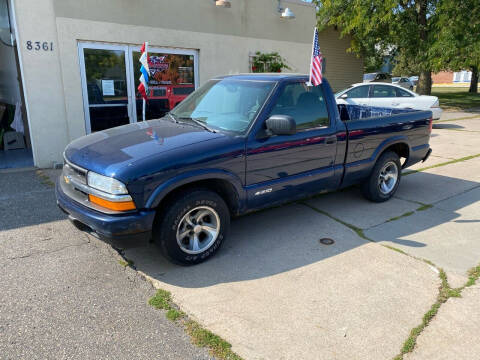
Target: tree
378,25
458,44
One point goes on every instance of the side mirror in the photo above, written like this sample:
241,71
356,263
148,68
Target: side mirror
281,125
344,96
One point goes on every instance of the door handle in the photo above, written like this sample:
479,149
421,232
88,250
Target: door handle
395,104
331,140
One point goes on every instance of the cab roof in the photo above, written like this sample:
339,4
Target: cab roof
264,76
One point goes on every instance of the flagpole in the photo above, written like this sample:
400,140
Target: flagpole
144,101
311,59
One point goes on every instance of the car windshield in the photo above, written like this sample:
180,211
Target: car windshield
229,105
369,76
395,79
342,91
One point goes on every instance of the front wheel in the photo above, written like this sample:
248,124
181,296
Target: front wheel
192,227
384,179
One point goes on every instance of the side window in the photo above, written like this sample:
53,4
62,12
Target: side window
382,91
403,93
306,104
358,92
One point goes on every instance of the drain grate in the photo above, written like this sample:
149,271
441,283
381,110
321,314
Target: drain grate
327,241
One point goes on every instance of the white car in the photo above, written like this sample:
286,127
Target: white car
389,96
403,82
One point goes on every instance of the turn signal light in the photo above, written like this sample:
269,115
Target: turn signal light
112,205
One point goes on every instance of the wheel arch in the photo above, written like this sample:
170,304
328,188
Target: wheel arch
225,184
398,145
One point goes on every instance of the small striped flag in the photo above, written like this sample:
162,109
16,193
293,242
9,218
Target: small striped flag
145,70
316,62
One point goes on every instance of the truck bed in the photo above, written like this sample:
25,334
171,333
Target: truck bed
358,112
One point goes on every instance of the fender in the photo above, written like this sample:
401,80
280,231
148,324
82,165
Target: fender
370,162
358,170
400,139
191,176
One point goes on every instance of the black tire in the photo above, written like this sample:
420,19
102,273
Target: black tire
173,220
372,189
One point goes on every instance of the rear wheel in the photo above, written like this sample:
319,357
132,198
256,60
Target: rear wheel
192,227
384,179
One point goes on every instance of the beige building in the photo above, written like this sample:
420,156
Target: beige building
78,60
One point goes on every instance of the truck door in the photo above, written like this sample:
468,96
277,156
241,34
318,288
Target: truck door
282,167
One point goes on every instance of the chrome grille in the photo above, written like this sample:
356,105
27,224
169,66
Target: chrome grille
75,173
73,182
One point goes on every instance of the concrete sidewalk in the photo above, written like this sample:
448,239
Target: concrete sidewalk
64,295
453,333
275,292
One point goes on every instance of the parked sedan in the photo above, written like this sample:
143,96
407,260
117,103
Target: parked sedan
377,77
388,95
414,80
403,82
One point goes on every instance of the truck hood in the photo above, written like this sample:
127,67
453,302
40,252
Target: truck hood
106,152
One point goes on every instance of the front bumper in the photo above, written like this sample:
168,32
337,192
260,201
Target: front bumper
136,224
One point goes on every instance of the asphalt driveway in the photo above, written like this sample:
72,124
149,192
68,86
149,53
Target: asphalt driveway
64,295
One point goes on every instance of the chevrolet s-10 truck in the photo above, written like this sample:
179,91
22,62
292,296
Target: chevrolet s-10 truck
237,144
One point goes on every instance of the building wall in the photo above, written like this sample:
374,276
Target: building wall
342,68
223,37
42,80
443,77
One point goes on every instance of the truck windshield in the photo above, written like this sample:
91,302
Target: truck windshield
229,105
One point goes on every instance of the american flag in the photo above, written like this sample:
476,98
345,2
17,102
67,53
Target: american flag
145,71
316,64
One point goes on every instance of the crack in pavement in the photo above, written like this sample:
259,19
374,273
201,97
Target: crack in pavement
46,252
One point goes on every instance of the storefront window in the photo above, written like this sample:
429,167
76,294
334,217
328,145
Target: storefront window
171,80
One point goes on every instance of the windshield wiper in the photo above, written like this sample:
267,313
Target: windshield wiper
172,117
199,123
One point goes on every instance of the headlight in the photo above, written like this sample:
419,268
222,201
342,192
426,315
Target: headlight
106,184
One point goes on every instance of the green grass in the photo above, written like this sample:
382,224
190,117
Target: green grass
357,230
444,293
204,338
457,119
424,207
201,337
456,98
395,249
441,164
174,314
473,275
44,178
126,262
161,300
401,216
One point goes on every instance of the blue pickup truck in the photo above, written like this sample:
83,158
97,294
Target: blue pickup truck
237,144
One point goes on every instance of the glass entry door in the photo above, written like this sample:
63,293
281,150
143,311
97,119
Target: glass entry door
173,76
106,85
110,77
